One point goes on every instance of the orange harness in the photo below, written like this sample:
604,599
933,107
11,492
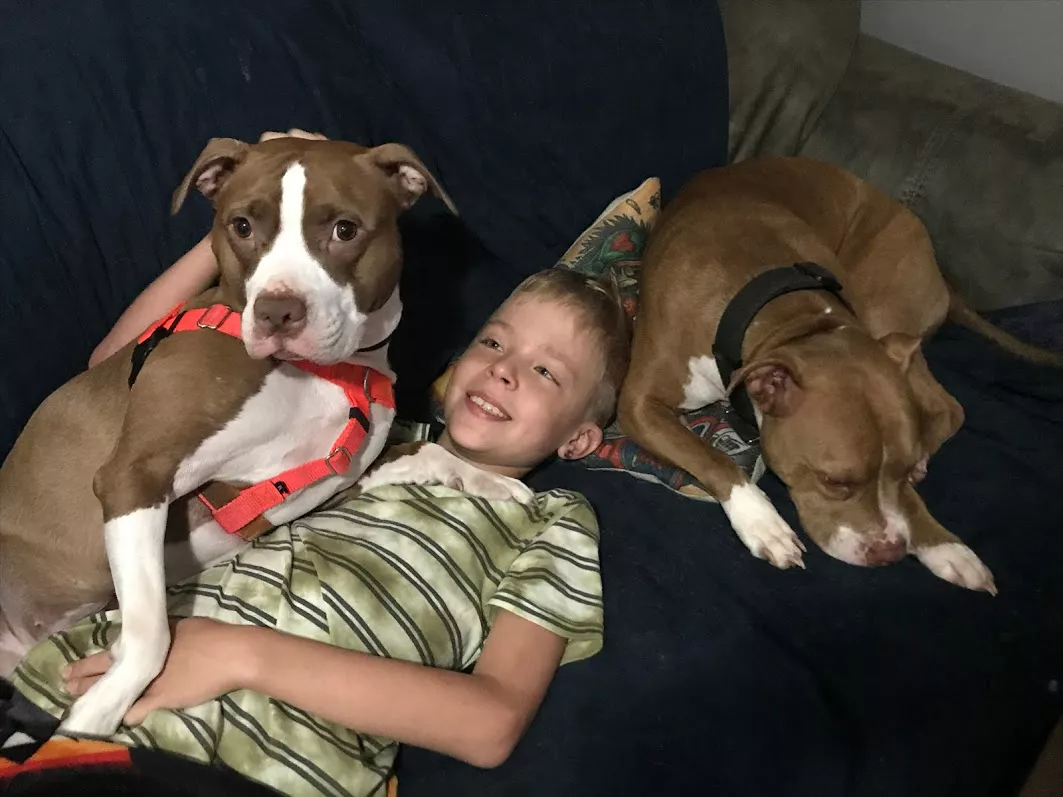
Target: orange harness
241,512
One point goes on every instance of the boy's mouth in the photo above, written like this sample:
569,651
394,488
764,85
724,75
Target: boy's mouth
487,407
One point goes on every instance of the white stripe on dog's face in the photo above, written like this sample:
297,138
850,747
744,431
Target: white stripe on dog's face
335,326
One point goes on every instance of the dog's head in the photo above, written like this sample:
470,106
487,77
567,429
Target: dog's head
306,237
848,422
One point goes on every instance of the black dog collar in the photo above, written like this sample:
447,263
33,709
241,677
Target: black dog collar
763,288
375,346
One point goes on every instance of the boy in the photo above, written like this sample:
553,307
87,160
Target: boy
327,624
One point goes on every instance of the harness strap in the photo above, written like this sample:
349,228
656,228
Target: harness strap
218,494
241,511
217,316
743,308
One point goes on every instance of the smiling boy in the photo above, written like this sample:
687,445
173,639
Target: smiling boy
406,614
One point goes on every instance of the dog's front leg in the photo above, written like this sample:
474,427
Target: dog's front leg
135,507
942,551
755,520
430,463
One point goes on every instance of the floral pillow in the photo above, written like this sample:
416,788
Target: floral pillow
611,248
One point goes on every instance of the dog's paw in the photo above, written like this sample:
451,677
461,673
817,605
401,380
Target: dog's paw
433,464
956,563
96,713
101,709
761,529
491,486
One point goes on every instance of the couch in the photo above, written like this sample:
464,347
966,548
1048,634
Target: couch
720,675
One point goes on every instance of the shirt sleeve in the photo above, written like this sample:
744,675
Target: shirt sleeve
555,582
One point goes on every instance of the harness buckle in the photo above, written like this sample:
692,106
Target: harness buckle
214,317
339,461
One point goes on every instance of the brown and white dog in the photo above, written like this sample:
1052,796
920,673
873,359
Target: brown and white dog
848,412
101,482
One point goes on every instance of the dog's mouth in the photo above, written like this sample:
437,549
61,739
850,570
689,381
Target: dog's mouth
281,348
865,549
324,340
329,329
284,354
260,347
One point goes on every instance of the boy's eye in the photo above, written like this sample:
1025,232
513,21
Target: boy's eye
542,370
490,343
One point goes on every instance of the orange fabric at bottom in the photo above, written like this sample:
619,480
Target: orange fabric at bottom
68,753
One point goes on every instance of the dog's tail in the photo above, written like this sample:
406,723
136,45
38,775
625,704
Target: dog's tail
961,313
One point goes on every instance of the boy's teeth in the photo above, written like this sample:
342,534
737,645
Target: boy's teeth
487,407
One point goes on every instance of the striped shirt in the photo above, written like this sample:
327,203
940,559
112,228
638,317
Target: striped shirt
408,572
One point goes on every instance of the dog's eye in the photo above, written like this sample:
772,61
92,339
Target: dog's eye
837,486
241,226
344,230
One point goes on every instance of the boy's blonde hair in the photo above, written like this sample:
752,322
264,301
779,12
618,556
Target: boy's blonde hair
599,307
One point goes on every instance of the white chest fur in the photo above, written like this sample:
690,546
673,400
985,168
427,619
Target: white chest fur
295,418
703,385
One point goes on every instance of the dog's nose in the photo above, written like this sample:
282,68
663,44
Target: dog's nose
885,551
280,313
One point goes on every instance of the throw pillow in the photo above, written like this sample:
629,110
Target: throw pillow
611,248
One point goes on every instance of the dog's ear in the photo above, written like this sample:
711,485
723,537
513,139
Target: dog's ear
900,348
772,384
407,176
212,168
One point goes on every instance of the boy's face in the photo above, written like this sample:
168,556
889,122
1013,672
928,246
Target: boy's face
523,390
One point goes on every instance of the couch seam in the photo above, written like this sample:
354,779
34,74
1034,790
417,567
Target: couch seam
914,186
812,121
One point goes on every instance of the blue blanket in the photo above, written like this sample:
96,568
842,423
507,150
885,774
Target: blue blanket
533,117
721,675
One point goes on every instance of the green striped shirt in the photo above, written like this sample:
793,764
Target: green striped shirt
407,572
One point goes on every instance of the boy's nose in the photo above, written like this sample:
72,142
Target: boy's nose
503,372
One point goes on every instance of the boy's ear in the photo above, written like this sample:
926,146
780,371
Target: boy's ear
586,439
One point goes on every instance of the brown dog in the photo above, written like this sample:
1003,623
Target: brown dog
295,399
847,409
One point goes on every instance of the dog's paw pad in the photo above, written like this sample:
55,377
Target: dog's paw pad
956,563
761,529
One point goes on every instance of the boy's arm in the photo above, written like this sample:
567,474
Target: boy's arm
477,717
188,277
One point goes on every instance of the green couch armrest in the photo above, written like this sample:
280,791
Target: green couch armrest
980,163
785,58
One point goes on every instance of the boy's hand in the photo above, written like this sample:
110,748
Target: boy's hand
295,132
204,662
